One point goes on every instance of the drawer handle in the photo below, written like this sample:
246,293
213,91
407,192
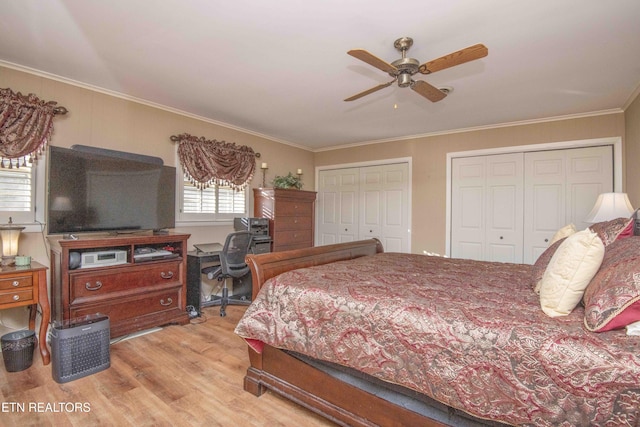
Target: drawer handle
168,302
89,287
168,275
16,297
15,283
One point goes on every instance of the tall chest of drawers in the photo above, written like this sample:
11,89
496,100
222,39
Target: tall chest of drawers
291,216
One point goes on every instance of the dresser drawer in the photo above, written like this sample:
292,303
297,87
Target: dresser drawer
123,309
294,237
19,282
293,208
108,283
17,296
293,223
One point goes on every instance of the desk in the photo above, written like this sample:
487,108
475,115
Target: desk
196,261
27,285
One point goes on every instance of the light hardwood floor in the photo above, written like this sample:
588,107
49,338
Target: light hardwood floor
180,376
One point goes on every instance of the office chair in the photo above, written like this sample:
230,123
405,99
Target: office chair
232,265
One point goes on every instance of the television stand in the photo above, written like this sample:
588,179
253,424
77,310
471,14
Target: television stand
136,294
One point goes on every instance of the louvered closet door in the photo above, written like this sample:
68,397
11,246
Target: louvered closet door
487,208
338,200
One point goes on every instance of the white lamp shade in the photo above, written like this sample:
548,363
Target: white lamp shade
10,236
610,206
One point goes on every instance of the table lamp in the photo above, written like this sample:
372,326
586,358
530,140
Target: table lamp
10,234
610,206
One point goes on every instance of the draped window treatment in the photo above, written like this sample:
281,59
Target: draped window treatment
210,162
26,124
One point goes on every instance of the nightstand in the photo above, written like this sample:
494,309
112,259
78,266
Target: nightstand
27,285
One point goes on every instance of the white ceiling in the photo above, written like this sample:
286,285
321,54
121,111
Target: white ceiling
280,68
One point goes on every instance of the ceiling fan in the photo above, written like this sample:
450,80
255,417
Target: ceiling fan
403,69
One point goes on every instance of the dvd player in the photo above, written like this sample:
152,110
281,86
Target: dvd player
151,255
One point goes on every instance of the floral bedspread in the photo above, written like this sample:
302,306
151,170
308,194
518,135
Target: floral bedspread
469,334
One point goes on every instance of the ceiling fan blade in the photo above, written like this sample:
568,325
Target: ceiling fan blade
367,92
430,92
373,60
456,58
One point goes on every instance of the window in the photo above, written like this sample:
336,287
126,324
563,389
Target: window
215,203
17,194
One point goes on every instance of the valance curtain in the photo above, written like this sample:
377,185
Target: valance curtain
208,162
26,124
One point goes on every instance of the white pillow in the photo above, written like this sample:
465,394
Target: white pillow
569,272
565,231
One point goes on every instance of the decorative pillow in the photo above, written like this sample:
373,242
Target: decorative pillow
565,231
612,300
569,272
627,231
541,263
609,231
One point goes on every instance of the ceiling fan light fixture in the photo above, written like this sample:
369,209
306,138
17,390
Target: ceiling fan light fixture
404,80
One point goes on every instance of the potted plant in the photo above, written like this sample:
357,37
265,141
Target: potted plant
288,181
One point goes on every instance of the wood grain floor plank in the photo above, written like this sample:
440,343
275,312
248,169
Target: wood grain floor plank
189,375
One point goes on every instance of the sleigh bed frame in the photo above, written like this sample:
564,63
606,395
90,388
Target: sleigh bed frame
301,382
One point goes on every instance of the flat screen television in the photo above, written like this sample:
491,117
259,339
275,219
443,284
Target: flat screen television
92,189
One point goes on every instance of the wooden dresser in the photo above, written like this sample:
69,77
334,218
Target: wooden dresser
136,293
291,216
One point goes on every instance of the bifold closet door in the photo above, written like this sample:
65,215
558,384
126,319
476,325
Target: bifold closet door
338,202
365,202
384,206
487,208
561,187
507,207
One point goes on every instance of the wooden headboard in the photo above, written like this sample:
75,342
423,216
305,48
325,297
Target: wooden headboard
265,266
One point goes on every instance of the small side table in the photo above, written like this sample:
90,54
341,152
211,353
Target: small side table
27,285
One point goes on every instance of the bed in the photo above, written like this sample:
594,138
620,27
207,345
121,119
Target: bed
365,337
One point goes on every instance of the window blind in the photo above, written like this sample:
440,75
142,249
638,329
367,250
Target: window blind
15,189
